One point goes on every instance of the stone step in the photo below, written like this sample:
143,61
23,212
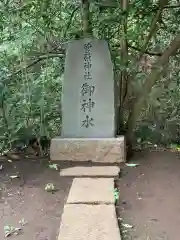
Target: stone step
89,222
92,191
96,171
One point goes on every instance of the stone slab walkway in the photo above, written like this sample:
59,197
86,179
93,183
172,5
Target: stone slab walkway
89,213
89,222
91,191
98,171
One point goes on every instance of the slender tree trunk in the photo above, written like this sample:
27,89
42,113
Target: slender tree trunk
123,80
157,70
86,19
155,74
153,27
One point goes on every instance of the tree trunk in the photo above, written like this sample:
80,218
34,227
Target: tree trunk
157,70
86,19
123,79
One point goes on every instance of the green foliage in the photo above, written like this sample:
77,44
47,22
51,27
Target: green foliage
32,62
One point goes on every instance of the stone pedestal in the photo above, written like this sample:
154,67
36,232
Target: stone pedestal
102,150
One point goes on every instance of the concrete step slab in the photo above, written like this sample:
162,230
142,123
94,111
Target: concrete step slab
89,222
92,191
94,171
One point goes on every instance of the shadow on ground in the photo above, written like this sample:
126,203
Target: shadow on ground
150,197
25,197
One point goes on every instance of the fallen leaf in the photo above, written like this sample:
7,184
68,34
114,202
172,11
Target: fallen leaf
14,176
116,194
9,230
54,166
16,231
132,164
50,187
127,225
23,222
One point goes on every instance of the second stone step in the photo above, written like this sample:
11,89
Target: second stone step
92,191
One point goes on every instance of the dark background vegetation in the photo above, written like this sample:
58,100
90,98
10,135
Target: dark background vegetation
144,39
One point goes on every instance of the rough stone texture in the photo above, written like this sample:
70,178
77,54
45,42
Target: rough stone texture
94,71
92,190
105,150
89,222
98,171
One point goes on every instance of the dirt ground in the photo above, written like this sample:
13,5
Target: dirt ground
26,198
150,197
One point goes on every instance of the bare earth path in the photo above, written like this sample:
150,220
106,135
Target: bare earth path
26,198
150,197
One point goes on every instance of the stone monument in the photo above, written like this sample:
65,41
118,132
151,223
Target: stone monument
88,107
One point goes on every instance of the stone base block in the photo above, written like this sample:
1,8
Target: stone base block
104,150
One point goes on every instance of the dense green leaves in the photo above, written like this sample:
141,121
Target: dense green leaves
32,50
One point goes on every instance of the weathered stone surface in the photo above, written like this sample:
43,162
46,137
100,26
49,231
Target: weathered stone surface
88,108
98,171
89,222
92,190
107,150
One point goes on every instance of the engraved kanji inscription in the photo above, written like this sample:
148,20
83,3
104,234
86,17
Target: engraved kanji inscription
87,89
87,46
87,105
87,76
87,65
87,122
